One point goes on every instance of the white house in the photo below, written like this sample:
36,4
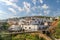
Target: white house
31,24
14,28
30,27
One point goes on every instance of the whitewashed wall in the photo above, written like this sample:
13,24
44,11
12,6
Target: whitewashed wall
33,27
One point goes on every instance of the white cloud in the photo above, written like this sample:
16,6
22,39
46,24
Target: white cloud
46,12
45,9
26,6
11,3
36,8
13,0
33,8
34,1
40,14
56,13
45,6
58,1
7,2
41,1
2,12
20,9
12,10
17,7
41,9
33,14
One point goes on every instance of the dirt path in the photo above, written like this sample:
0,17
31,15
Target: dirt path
53,26
45,36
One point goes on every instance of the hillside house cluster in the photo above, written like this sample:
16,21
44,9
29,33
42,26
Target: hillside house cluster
30,23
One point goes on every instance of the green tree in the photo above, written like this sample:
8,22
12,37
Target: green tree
0,37
26,37
5,26
5,37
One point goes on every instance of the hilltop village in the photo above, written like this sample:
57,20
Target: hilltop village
33,23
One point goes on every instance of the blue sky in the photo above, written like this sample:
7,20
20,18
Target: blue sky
20,8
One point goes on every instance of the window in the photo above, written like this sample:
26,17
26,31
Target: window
42,23
39,22
33,19
29,27
25,27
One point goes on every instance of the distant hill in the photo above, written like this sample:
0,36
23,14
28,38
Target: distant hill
17,18
31,16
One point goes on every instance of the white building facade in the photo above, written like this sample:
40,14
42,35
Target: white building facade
30,27
34,23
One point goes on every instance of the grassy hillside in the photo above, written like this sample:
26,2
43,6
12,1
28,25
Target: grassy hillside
21,37
57,31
